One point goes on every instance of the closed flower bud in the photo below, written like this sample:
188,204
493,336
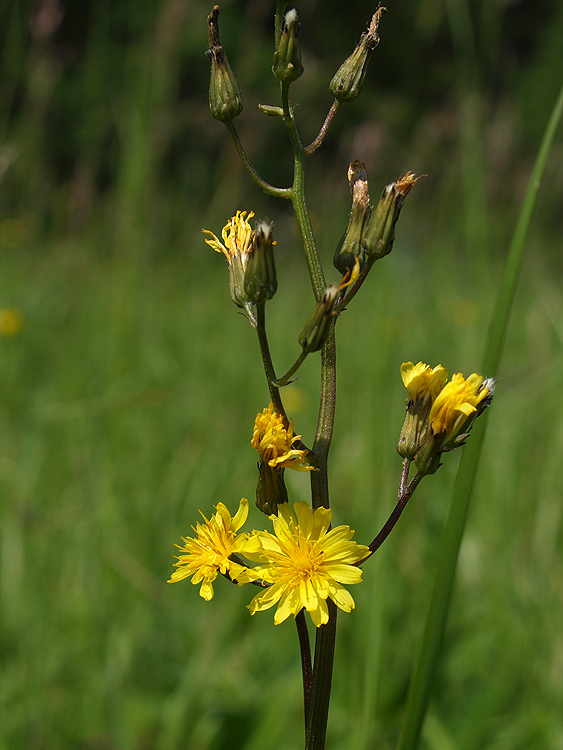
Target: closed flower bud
347,83
225,100
271,490
315,331
379,234
350,246
260,281
287,58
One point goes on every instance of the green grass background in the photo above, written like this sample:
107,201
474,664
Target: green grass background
129,395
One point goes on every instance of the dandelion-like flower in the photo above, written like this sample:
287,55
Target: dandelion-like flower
237,237
451,417
275,443
306,564
456,403
208,553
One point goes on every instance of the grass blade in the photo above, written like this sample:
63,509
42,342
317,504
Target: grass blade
427,657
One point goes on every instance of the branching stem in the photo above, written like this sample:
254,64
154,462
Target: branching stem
312,147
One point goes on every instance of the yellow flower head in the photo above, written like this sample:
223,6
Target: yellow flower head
11,321
421,381
456,402
206,554
237,248
237,236
423,384
275,443
306,564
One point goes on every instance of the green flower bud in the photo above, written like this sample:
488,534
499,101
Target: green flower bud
271,490
260,281
287,58
315,331
225,100
379,234
350,246
347,83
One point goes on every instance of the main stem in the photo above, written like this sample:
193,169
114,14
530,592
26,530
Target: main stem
315,733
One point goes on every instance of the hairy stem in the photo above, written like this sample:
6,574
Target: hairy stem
323,131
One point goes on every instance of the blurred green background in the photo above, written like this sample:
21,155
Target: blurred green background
130,384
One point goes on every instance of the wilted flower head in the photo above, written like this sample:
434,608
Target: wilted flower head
306,564
236,247
423,384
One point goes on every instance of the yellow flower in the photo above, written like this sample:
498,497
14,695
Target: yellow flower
451,418
457,401
275,443
237,237
209,552
423,384
11,321
421,381
306,564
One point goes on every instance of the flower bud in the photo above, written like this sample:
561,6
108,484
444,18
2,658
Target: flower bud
315,331
260,281
225,100
350,246
287,58
379,234
347,83
271,490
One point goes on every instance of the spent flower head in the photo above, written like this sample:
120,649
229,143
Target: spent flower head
209,552
238,236
225,100
306,564
347,82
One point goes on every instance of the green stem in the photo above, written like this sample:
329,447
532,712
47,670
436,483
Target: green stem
322,681
267,360
298,200
280,382
405,494
262,184
306,664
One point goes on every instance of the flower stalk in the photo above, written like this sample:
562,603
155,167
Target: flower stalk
303,566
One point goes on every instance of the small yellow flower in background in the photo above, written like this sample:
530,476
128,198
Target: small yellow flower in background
457,401
275,443
421,381
237,237
206,555
11,321
306,564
